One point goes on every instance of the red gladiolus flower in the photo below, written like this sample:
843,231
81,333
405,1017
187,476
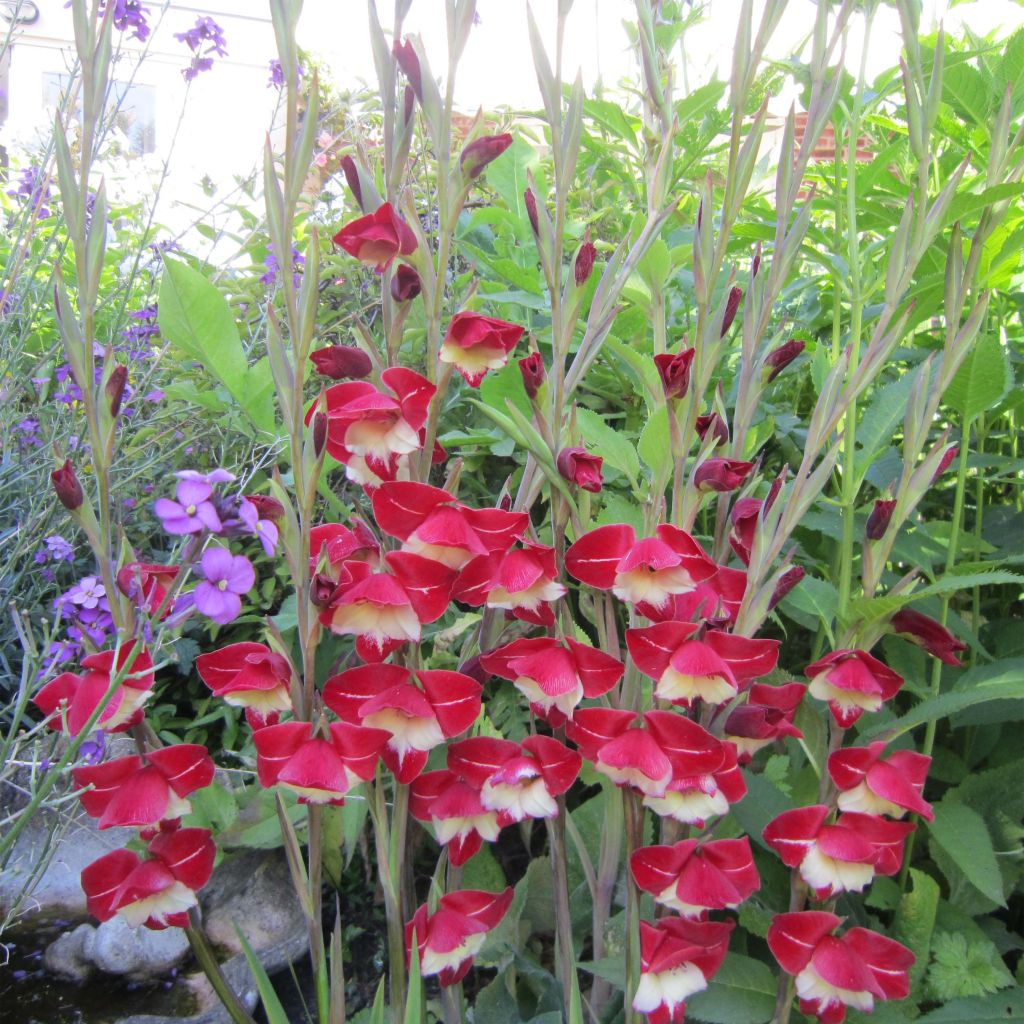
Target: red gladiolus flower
383,611
482,151
370,431
417,718
833,972
871,785
721,475
135,791
456,810
320,769
647,571
377,238
146,584
523,582
340,544
677,959
766,717
581,468
852,682
843,857
406,284
532,369
248,675
475,344
81,695
156,892
692,878
928,634
431,524
341,361
449,938
674,371
879,519
779,358
554,675
685,669
517,781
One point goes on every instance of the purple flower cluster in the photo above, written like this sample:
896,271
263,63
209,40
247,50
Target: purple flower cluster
276,80
34,190
28,434
273,267
55,549
129,15
140,334
206,37
85,610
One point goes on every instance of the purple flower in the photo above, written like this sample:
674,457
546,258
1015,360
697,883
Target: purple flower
91,751
225,577
270,277
262,528
86,593
59,550
276,80
215,476
193,512
34,189
205,31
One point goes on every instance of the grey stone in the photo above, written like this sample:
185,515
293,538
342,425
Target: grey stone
66,956
138,954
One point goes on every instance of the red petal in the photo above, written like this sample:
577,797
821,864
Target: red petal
414,393
591,728
887,960
793,832
653,646
346,692
839,965
793,937
103,878
358,746
427,583
598,671
189,854
105,779
186,766
690,747
594,558
560,766
275,745
455,698
497,529
487,908
479,757
655,868
400,507
748,657
141,800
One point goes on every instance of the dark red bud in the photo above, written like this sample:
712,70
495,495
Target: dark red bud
755,265
480,152
732,305
878,520
69,490
674,371
721,474
787,581
405,54
929,634
341,361
116,383
506,503
321,590
584,263
531,211
348,167
948,456
319,433
773,493
266,507
406,284
578,466
532,369
714,424
779,358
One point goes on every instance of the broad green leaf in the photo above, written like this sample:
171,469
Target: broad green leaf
881,417
613,446
610,968
962,833
915,922
764,801
968,203
655,446
507,176
699,101
507,383
742,992
642,366
816,598
982,380
998,1008
483,872
495,1004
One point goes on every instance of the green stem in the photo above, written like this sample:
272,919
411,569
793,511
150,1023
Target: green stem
633,815
204,955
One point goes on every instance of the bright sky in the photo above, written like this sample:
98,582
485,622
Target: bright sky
497,69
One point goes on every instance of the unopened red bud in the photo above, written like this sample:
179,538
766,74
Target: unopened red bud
929,634
319,433
480,152
321,590
266,507
406,284
405,54
69,490
944,463
779,358
584,263
116,383
878,520
531,211
348,167
787,581
773,492
578,466
755,265
732,305
341,361
715,425
674,371
532,369
721,474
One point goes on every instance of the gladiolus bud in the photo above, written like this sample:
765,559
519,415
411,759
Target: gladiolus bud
480,152
405,285
348,168
532,369
779,358
321,590
319,433
266,507
342,361
674,371
69,490
115,388
530,200
878,520
405,54
715,425
928,634
584,263
787,581
578,466
944,462
755,264
732,306
721,474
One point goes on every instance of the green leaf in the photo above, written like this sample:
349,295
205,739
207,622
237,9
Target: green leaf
764,801
881,417
815,599
610,968
271,1003
983,379
998,1008
609,443
742,992
414,996
964,967
507,176
655,446
506,384
483,872
961,832
915,922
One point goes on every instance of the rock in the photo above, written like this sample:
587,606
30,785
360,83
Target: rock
66,956
138,954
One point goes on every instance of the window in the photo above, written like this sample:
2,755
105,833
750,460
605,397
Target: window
133,107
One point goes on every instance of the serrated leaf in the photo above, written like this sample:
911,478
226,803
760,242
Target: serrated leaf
982,381
999,1008
881,417
655,446
742,992
606,441
915,922
962,833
